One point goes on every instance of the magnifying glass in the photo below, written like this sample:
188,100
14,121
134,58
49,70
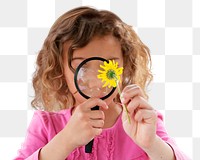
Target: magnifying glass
89,85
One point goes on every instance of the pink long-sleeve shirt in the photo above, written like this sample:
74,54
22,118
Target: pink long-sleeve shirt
112,144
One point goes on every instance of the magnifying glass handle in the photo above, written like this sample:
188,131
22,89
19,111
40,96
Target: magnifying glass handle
88,147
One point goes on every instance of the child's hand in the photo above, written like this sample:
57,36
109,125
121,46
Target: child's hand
142,129
85,123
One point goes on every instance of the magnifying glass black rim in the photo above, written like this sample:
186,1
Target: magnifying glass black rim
76,74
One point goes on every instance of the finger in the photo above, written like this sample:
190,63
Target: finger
92,102
97,114
138,103
131,93
97,131
129,86
134,91
146,116
97,123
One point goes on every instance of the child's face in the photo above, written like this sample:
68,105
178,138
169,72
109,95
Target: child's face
106,47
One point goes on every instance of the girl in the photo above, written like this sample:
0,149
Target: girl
67,122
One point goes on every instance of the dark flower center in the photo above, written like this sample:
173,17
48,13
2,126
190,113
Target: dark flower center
111,74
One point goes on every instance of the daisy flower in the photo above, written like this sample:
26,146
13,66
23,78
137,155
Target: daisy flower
110,76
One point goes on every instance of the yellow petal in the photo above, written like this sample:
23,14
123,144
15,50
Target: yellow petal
100,71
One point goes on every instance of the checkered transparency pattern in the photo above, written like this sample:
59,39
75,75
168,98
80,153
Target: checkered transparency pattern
171,29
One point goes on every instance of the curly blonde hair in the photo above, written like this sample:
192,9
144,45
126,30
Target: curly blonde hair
79,26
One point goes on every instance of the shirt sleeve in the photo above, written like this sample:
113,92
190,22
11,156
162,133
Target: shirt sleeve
161,132
36,138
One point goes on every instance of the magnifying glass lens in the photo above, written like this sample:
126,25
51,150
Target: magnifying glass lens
88,82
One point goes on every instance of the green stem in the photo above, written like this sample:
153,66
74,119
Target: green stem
123,105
